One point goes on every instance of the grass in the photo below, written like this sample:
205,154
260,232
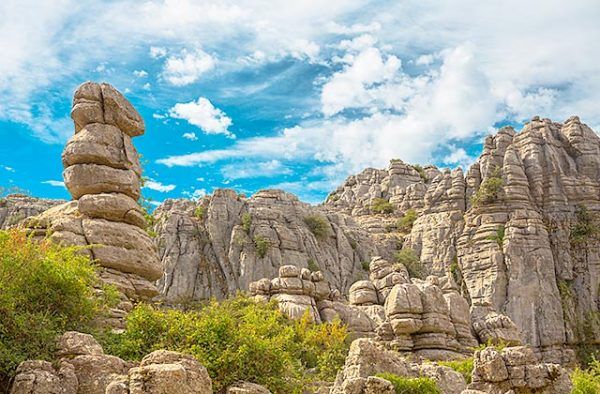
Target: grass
404,385
464,367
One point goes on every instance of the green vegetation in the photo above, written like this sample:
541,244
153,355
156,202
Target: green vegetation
238,339
489,189
380,205
421,171
585,228
246,222
464,367
353,244
404,385
455,271
498,237
405,223
317,225
587,381
46,290
312,265
410,260
262,246
366,266
199,212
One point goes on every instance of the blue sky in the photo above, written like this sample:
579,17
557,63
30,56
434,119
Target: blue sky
295,95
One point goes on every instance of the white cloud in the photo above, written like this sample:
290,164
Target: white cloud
54,183
458,157
188,67
264,169
140,73
159,187
7,168
203,114
190,136
157,52
195,194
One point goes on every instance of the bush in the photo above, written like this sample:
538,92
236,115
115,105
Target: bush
199,212
317,225
586,226
46,290
587,381
421,172
380,205
262,245
404,385
246,222
410,260
489,189
238,339
498,237
464,367
312,265
406,222
365,265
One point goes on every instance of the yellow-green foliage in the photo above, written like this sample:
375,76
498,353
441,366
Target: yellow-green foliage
411,261
238,339
262,245
587,381
586,226
380,205
312,265
199,212
489,189
498,237
421,171
317,225
406,222
45,290
246,222
404,385
464,367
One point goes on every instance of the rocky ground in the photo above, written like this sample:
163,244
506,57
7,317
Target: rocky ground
504,254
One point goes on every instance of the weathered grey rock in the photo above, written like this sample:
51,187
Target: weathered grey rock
40,377
247,388
15,208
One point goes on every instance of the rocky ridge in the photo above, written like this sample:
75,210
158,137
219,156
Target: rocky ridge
14,208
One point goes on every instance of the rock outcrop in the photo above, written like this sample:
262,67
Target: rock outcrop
102,173
15,208
83,368
222,243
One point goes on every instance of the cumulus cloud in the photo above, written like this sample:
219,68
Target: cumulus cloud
203,114
7,168
54,183
187,67
140,73
265,169
158,186
190,136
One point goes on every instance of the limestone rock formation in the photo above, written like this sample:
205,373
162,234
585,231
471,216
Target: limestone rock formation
102,173
226,241
15,208
83,368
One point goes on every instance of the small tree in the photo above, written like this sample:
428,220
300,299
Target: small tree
380,205
489,189
262,246
317,225
410,260
246,222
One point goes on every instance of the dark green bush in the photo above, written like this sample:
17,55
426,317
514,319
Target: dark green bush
312,265
262,245
489,189
246,222
365,265
317,225
586,226
45,290
380,205
238,339
410,260
404,385
406,222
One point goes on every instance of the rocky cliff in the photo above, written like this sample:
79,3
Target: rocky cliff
14,208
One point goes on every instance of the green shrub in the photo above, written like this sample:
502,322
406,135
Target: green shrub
238,339
380,205
410,260
464,367
199,212
246,222
421,171
586,226
586,381
406,222
489,189
45,290
404,385
317,225
498,237
366,266
353,244
312,265
262,245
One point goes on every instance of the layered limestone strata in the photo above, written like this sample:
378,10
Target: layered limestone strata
102,173
15,208
407,315
222,243
525,255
